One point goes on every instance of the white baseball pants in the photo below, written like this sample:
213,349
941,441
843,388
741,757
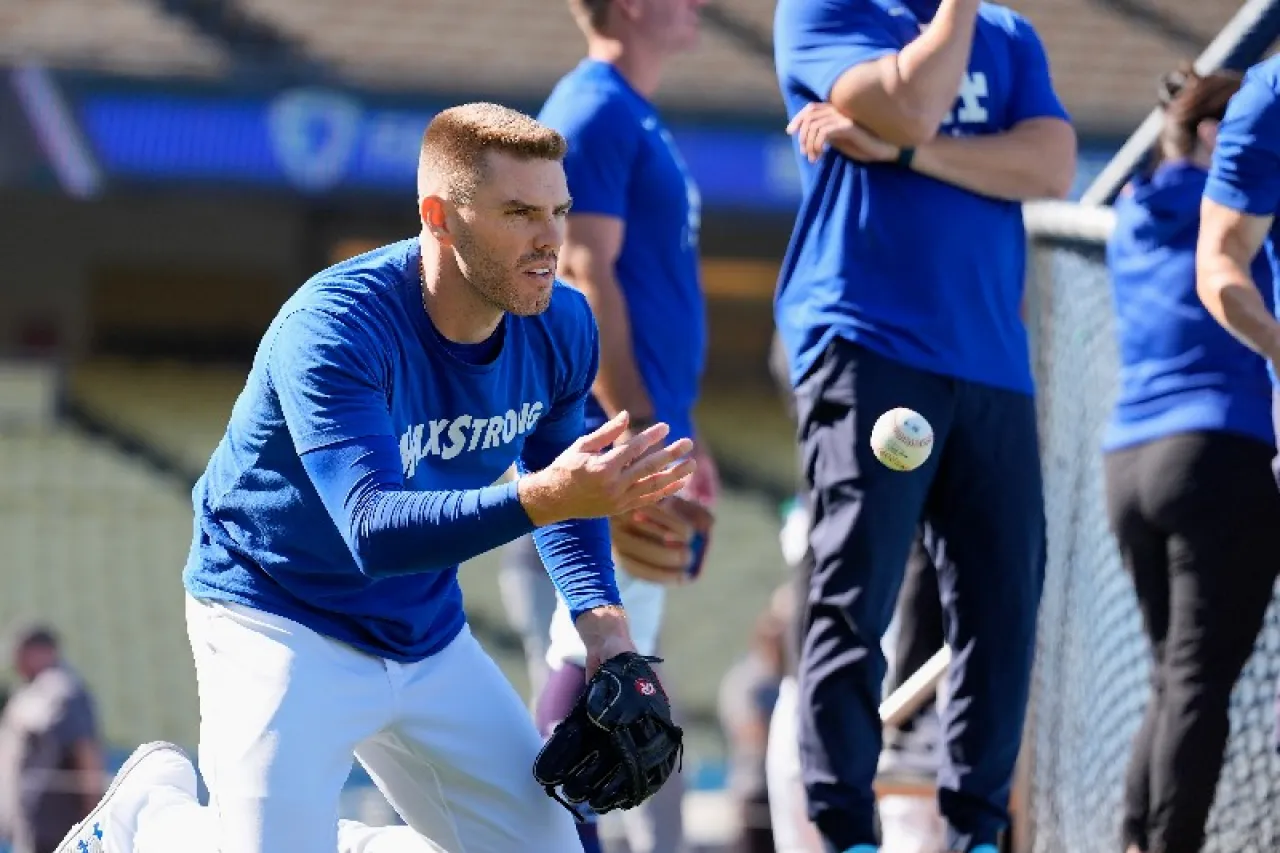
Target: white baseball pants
283,710
644,602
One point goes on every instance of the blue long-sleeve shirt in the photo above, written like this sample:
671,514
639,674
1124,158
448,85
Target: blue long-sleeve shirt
362,461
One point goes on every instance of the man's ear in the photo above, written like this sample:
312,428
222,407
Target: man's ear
628,9
435,220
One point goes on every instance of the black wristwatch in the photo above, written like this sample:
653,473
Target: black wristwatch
905,156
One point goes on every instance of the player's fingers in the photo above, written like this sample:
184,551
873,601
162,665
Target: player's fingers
819,132
658,459
665,575
664,520
637,446
818,139
639,521
653,488
799,118
806,141
607,434
653,553
648,497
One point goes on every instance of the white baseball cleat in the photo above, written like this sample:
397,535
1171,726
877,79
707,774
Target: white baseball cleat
110,827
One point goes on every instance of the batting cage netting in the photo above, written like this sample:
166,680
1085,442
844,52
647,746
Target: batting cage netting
1091,682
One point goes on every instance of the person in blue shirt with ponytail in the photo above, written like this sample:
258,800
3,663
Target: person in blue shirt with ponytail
1190,494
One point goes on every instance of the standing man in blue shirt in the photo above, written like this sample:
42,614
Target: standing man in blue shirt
364,460
1238,218
902,286
632,248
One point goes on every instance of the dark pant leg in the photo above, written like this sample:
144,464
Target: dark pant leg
1214,494
919,623
987,512
1145,552
864,518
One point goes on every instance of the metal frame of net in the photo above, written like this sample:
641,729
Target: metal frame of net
1091,679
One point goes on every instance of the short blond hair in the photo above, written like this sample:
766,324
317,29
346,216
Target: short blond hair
457,139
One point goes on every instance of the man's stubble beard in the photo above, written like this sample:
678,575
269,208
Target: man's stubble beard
492,281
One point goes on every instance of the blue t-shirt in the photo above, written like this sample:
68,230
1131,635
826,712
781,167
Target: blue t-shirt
622,162
1179,370
291,515
1245,174
913,269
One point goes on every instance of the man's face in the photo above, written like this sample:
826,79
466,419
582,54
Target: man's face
30,659
507,238
672,24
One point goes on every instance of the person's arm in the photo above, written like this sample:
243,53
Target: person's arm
1236,214
589,256
331,383
579,561
91,771
577,552
331,379
76,726
1036,159
846,57
1229,242
599,166
391,529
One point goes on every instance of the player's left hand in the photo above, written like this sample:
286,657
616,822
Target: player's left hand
820,125
618,745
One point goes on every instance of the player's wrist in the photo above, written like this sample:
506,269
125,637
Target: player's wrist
538,495
601,625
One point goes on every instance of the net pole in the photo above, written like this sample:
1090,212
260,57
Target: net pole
1240,43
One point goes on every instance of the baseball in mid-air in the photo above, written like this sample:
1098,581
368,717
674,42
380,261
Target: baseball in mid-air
902,439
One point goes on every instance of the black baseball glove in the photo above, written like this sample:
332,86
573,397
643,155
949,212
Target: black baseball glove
618,745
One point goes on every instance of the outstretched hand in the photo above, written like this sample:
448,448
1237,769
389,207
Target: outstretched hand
819,125
590,479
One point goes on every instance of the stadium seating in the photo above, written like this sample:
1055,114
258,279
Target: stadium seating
498,48
179,409
499,45
1106,64
95,544
133,36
